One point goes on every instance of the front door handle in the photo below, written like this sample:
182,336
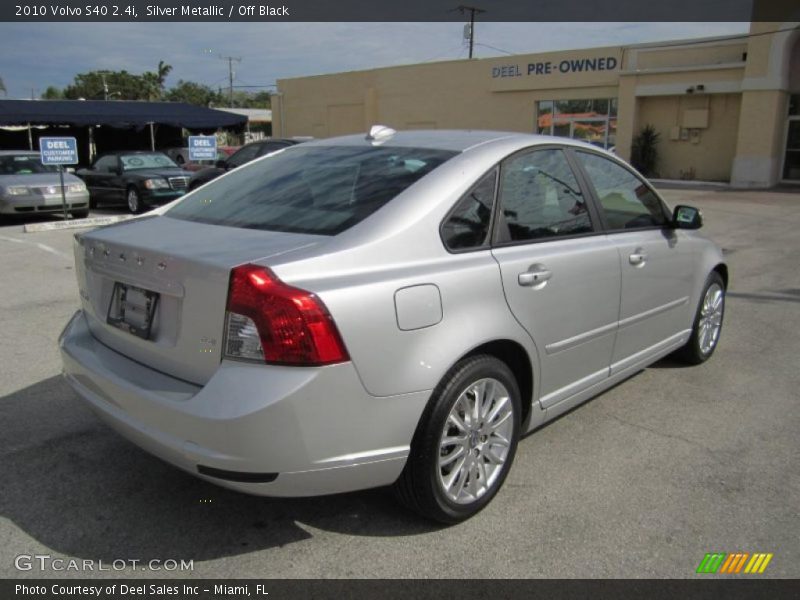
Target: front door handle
638,258
536,276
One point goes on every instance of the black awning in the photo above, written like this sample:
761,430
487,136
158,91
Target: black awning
115,113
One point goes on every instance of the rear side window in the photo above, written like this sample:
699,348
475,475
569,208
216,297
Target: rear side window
106,163
540,198
468,224
310,189
626,201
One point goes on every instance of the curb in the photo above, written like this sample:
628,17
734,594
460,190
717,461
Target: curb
75,223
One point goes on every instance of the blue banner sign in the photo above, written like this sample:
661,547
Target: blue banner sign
202,147
58,150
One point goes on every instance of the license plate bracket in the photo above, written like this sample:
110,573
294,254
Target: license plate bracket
132,309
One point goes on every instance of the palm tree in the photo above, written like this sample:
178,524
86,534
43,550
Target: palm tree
162,72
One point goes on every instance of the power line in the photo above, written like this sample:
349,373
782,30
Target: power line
498,49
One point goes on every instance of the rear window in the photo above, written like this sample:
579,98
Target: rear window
318,190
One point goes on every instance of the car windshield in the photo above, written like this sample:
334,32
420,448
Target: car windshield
24,164
310,189
155,160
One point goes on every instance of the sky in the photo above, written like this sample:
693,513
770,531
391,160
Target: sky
34,56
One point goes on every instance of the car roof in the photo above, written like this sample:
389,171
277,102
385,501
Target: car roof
111,152
18,152
449,139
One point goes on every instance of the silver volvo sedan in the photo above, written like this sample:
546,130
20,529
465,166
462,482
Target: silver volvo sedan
395,309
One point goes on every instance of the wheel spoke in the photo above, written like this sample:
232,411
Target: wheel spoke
454,455
481,469
453,475
453,441
492,457
498,406
493,427
473,485
478,392
463,472
498,440
488,397
456,420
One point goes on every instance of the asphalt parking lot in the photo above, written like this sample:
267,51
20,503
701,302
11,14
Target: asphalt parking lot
641,481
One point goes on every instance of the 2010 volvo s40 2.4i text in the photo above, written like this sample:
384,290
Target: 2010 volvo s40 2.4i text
389,309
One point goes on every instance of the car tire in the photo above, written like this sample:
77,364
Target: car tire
134,200
458,463
80,214
92,202
707,324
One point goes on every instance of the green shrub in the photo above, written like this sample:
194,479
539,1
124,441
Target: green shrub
644,151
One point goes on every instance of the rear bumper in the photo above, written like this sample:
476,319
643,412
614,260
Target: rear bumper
317,429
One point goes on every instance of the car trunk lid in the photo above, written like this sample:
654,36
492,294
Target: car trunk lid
182,269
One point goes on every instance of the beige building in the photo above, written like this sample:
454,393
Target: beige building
726,109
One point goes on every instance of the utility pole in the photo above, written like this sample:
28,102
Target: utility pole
230,60
473,10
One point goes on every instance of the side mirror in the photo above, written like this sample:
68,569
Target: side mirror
221,164
687,217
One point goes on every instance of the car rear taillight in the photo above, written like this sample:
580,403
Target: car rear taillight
269,321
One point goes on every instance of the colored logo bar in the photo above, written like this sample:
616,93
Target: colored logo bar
734,563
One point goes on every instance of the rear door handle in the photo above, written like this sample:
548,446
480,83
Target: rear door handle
535,276
639,257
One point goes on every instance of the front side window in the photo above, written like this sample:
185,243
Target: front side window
468,224
310,189
626,201
540,198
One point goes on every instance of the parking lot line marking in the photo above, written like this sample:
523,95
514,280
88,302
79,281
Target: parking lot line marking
39,245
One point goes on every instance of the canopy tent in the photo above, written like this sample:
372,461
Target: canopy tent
115,113
101,126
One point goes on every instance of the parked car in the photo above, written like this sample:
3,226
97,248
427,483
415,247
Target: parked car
242,156
391,310
141,179
28,186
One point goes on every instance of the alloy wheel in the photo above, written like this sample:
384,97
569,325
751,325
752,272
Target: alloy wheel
475,441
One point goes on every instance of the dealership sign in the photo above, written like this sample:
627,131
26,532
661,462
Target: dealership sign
202,147
571,65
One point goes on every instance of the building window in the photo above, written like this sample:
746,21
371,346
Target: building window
593,121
